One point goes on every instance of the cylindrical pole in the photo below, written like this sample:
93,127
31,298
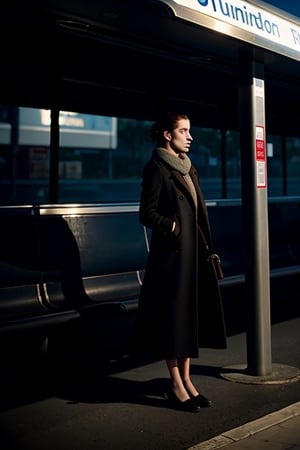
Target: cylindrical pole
255,216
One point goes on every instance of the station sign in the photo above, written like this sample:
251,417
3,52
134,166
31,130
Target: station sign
252,21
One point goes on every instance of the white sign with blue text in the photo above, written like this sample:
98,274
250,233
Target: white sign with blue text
251,18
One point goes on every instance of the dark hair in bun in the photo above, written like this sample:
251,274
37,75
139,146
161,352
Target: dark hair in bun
166,122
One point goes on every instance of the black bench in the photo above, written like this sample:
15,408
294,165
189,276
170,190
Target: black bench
66,264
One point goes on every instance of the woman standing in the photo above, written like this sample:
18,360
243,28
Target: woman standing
179,307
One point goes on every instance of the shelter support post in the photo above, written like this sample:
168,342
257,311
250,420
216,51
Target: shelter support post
259,368
54,156
255,215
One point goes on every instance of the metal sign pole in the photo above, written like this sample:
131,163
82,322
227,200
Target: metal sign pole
255,214
259,367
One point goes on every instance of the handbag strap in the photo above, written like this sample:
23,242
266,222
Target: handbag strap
204,240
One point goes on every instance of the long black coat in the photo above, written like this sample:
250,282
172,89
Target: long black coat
180,307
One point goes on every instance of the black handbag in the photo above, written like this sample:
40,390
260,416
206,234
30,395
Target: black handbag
213,259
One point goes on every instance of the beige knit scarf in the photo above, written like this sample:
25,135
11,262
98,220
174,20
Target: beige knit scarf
182,164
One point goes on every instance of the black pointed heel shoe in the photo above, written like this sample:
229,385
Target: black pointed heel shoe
200,400
187,405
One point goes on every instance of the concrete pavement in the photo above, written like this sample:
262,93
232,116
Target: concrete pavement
84,403
279,430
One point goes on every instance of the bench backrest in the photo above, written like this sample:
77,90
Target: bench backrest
54,257
51,256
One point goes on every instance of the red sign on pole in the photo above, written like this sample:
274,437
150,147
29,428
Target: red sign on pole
260,156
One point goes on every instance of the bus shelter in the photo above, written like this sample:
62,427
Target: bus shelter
229,64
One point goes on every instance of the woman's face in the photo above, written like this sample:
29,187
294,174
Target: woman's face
179,139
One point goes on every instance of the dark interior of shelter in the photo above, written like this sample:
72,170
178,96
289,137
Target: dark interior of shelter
136,54
132,60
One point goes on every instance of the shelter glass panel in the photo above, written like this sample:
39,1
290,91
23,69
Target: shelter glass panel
24,157
109,168
205,154
275,166
233,164
293,165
